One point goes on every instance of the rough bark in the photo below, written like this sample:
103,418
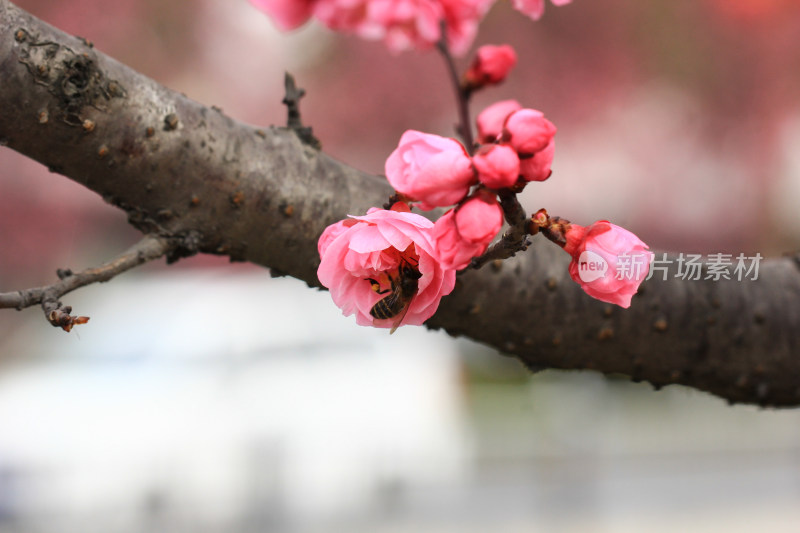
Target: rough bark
189,173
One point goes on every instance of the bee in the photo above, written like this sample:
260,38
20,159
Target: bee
403,289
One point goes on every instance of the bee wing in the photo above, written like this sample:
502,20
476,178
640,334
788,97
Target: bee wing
399,320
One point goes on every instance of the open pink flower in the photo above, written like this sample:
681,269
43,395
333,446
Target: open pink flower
490,120
608,262
491,65
435,171
466,231
535,8
371,249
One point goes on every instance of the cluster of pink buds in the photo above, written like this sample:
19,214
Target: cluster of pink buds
433,171
393,266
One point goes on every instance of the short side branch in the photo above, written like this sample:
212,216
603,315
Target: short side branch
293,122
149,248
515,239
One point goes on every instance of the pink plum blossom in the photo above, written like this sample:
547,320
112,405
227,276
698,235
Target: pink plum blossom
466,231
401,24
287,14
498,165
375,246
528,131
608,262
490,120
435,171
535,8
537,167
462,18
491,65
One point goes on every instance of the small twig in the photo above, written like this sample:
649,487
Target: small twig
149,248
293,122
514,239
464,128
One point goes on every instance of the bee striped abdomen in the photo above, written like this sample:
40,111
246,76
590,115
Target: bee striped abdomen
403,289
385,308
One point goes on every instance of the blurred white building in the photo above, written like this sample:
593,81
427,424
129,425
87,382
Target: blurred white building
219,401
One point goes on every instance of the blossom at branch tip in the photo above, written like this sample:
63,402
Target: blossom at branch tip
466,231
490,121
435,171
535,8
362,249
491,65
528,131
498,165
608,262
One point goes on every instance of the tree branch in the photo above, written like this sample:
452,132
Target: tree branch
464,128
149,248
192,175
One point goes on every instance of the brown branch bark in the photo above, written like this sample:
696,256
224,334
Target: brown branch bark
191,174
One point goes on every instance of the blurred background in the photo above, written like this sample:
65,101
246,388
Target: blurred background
207,396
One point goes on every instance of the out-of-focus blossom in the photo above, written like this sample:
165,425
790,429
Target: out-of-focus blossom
756,10
535,8
538,166
287,14
608,262
401,24
435,171
498,165
462,18
466,231
527,131
374,247
491,65
490,120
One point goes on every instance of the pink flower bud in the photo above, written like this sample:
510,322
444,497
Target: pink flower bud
365,259
535,8
466,231
608,262
287,14
490,120
537,167
528,131
498,165
491,65
433,170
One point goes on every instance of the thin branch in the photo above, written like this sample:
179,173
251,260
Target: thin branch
464,128
292,103
149,248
